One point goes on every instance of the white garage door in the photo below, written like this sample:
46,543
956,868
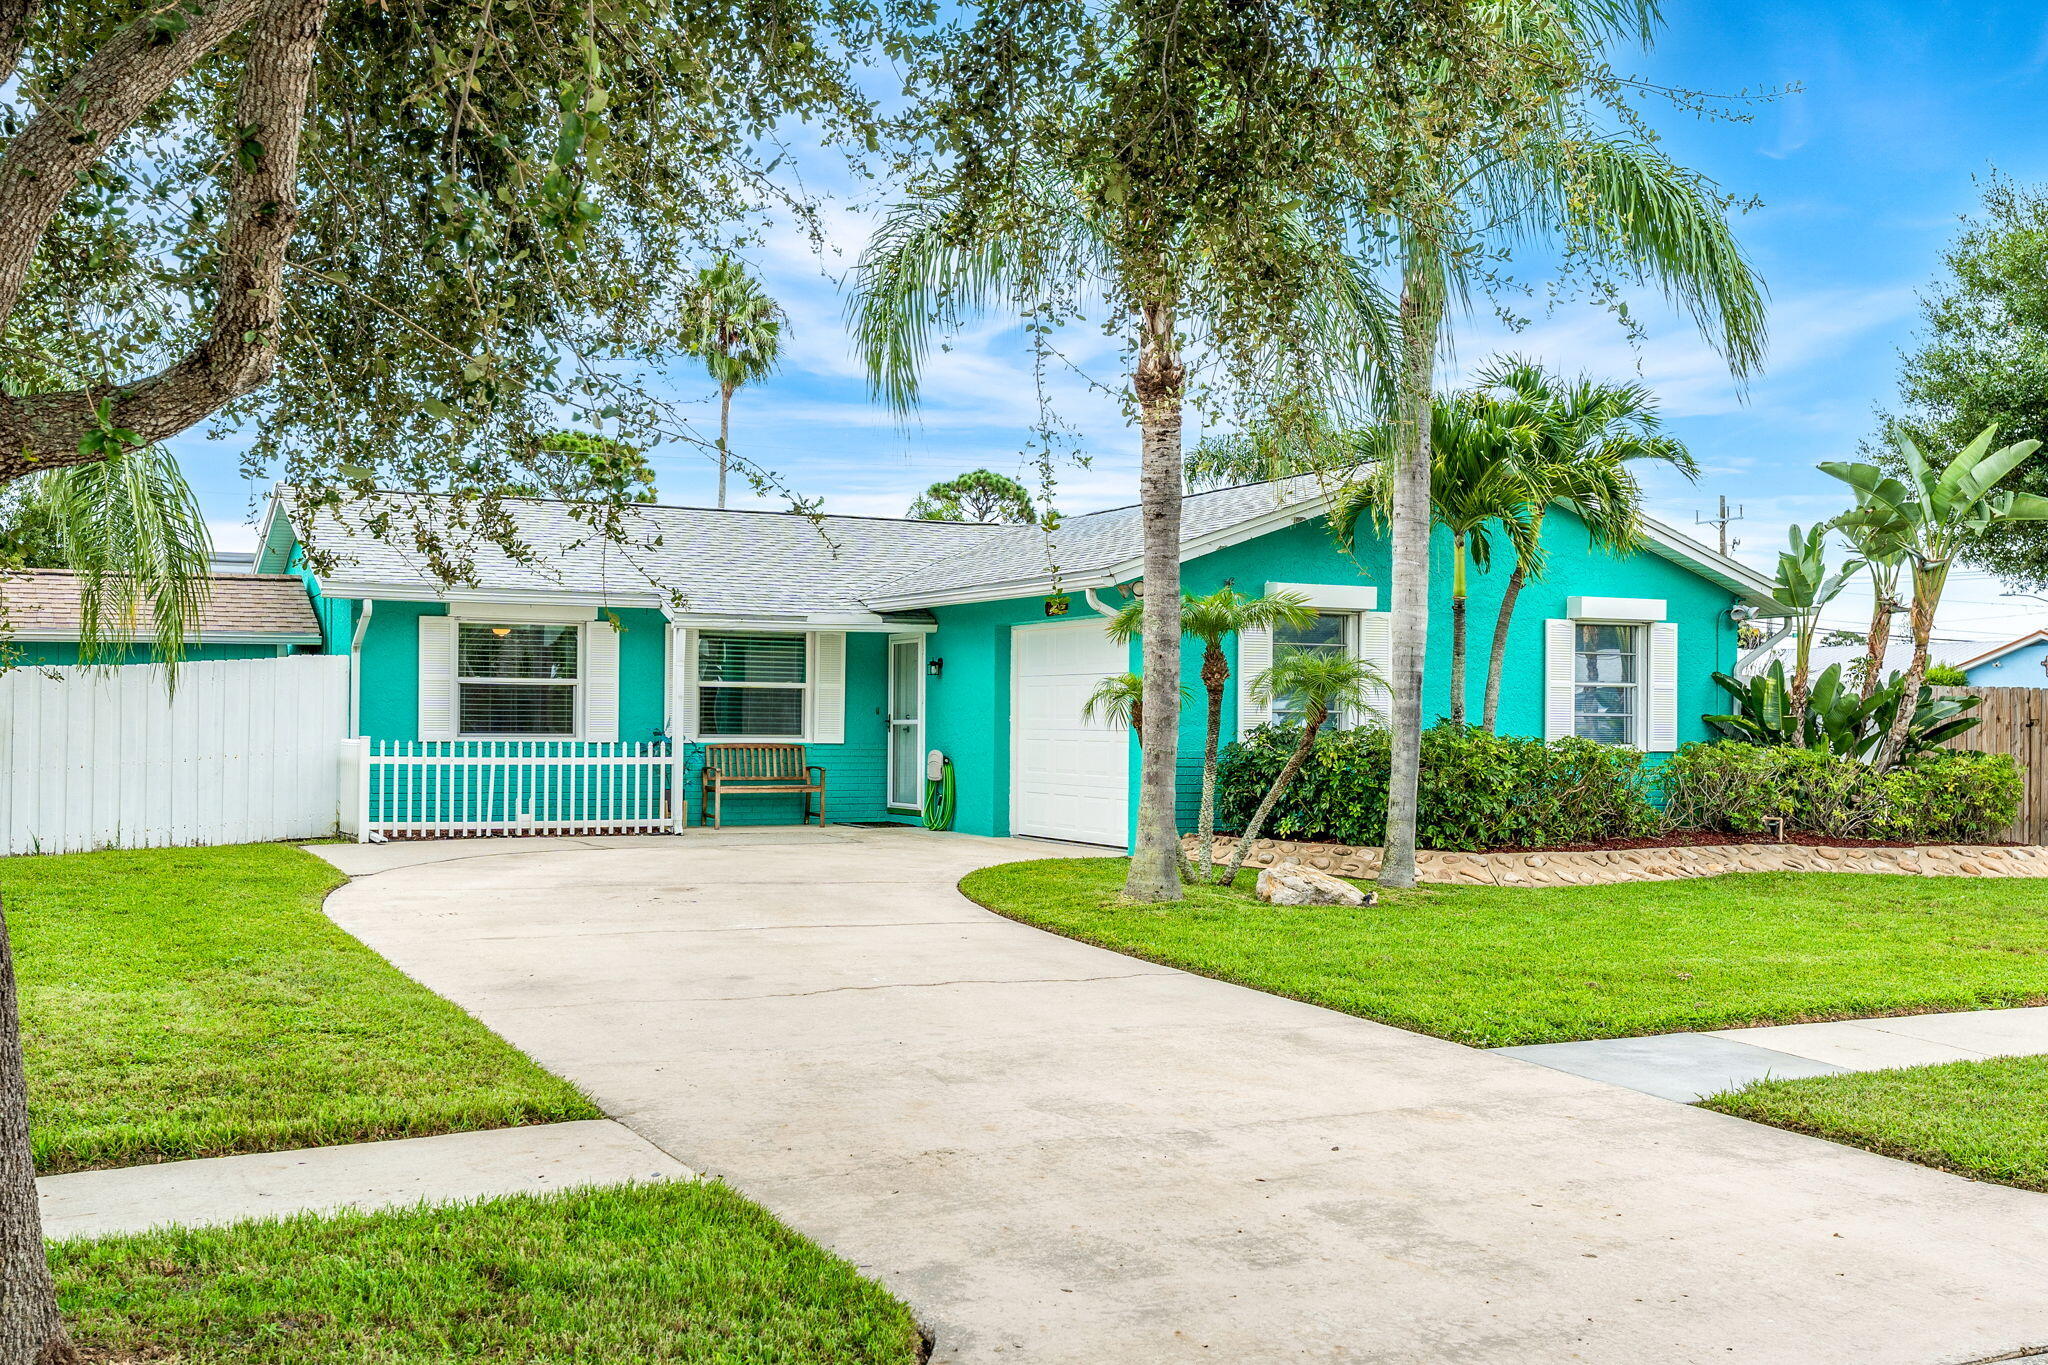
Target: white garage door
1070,776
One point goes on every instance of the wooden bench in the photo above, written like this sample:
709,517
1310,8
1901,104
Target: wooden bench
758,769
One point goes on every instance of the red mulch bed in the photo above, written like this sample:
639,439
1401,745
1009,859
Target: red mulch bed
1707,838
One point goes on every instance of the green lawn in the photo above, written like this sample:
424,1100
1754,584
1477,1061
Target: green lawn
1492,966
678,1272
1985,1119
195,1002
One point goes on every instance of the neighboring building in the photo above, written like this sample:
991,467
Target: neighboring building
245,616
231,561
2016,663
872,640
1898,653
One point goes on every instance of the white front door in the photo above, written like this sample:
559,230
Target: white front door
906,722
1070,776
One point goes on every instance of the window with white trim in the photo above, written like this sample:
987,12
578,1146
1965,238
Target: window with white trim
1332,632
517,680
751,685
1606,682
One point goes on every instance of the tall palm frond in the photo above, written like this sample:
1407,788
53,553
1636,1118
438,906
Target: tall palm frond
131,529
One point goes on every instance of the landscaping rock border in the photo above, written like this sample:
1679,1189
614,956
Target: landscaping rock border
1608,867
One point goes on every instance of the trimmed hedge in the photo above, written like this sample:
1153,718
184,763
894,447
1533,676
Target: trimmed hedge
1482,791
1941,796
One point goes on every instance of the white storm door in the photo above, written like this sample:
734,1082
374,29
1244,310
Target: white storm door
1070,776
906,722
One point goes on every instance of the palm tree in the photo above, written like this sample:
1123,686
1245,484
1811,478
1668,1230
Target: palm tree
1588,432
1317,684
1617,201
1209,619
1936,516
1119,699
940,259
736,329
1880,543
1802,591
131,529
1476,477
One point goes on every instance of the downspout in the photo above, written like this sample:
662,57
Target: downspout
1743,661
1088,596
355,668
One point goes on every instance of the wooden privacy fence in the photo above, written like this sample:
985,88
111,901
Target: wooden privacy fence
2013,720
245,750
442,788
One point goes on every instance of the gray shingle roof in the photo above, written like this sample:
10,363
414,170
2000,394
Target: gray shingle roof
45,603
740,562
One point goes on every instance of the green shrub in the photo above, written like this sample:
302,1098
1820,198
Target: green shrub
1938,796
1480,790
1946,675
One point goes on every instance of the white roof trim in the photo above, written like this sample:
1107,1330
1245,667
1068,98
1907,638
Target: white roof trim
1706,561
424,592
203,637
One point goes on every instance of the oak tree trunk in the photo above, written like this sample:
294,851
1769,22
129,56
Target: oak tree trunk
1422,311
1155,856
31,1330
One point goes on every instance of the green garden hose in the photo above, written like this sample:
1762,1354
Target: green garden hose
938,798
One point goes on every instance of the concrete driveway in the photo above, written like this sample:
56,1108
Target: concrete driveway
1056,1153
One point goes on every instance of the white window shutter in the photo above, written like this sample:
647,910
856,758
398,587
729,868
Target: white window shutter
601,681
1376,647
682,677
1254,656
1660,731
437,677
828,687
1558,678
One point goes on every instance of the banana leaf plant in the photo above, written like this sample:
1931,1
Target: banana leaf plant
1837,717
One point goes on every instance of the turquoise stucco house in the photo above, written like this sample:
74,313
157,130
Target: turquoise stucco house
872,641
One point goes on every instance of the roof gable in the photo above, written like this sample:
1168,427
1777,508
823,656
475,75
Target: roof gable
45,604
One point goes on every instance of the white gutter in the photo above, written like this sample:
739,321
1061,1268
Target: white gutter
1088,595
1744,661
355,668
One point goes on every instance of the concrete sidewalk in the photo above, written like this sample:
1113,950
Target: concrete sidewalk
1058,1154
455,1167
1691,1066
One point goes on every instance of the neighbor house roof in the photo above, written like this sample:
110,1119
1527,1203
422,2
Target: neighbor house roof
44,604
747,564
2000,651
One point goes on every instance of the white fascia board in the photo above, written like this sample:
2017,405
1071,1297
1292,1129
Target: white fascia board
1615,608
1705,560
863,623
2000,651
1039,586
427,592
1332,596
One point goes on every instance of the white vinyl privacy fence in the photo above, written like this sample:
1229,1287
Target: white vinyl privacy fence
246,750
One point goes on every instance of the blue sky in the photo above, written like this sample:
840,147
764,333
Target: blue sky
1902,108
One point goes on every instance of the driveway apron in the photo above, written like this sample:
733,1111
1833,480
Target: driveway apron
1055,1153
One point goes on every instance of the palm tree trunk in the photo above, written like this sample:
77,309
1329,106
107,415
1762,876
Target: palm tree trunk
1422,312
1879,639
1458,589
31,1330
1155,856
1281,782
1927,586
1497,660
724,434
1215,673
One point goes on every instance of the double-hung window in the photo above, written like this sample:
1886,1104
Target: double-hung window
751,685
517,680
1331,633
1606,682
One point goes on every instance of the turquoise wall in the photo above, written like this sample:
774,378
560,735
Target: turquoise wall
969,705
2021,668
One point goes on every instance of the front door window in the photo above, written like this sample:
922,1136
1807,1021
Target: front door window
906,723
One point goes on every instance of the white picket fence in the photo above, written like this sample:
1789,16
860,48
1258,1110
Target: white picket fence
245,750
456,788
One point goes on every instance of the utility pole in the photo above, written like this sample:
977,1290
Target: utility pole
1720,523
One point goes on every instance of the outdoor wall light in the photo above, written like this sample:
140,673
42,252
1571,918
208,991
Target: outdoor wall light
935,667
